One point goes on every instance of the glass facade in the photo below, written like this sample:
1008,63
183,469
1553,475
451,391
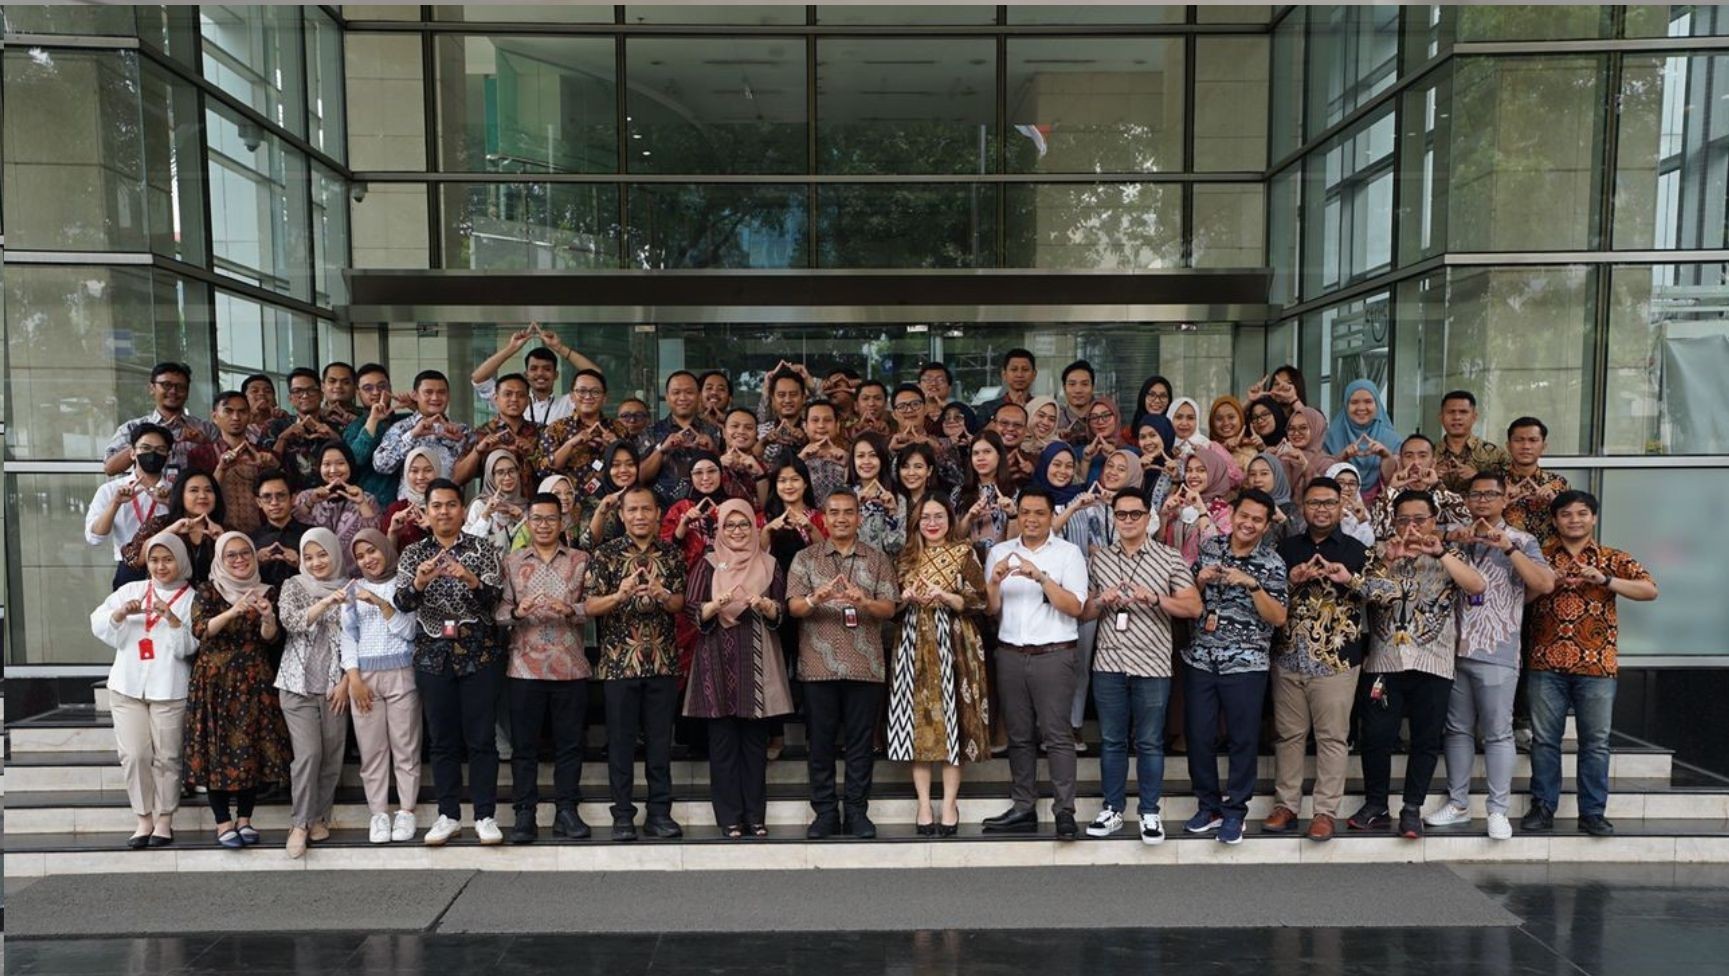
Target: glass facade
1524,201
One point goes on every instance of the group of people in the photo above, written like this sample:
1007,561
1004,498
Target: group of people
916,576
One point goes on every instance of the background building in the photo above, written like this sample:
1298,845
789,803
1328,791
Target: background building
1527,201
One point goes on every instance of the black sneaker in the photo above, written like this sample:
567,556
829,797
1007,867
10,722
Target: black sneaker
1369,818
1538,820
623,829
525,830
860,826
1066,827
663,827
825,826
1411,823
1596,825
568,823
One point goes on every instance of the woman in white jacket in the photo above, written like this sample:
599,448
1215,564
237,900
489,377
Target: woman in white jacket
149,625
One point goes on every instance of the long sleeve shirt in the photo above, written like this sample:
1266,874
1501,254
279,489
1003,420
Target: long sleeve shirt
387,458
380,485
456,634
311,649
372,642
164,675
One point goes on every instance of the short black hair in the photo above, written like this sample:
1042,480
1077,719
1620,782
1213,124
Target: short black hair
1497,477
748,412
1006,404
512,378
675,374
846,372
912,388
257,378
546,498
1570,496
1033,491
339,364
702,381
841,492
225,396
599,377
302,372
1130,494
267,476
1413,495
879,384
543,354
1542,428
1019,353
427,375
336,444
638,489
1416,437
165,368
1323,482
139,431
775,377
819,402
1081,365
1465,395
934,366
367,369
1257,496
443,484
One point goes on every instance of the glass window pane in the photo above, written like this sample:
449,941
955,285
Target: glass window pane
1424,155
1532,22
1231,103
1283,241
1519,338
1230,225
1353,55
527,104
324,84
1670,183
1233,13
1088,105
1348,215
1526,143
386,101
54,579
716,105
1682,551
899,225
385,11
742,15
82,173
905,15
709,226
259,195
1668,354
329,237
1121,13
80,343
526,226
253,53
526,13
253,337
1429,29
1351,342
76,19
1286,97
906,105
1094,225
1678,20
390,227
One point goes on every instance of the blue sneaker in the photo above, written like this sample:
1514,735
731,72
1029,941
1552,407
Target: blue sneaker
1232,831
1205,821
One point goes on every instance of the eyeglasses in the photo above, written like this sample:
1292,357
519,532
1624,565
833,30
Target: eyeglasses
908,405
1130,515
736,525
303,391
588,392
173,387
234,557
1096,417
1322,503
274,496
375,387
633,415
545,519
142,451
1408,520
1484,496
936,517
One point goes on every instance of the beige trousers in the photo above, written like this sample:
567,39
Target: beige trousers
318,736
149,735
389,737
1301,704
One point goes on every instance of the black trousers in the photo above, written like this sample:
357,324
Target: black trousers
1236,697
1422,698
532,702
648,706
847,710
462,710
738,770
243,801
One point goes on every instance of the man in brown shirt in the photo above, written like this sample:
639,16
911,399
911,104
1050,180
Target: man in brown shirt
844,591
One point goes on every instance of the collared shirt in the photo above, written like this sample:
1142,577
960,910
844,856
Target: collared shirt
543,647
586,464
829,650
237,480
379,485
1489,622
1451,505
524,443
299,452
190,435
1414,621
1528,501
131,514
1028,616
276,572
779,443
1143,649
1323,631
1239,641
1575,628
637,639
1477,454
372,642
673,480
397,442
539,412
448,606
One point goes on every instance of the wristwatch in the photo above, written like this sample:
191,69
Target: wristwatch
1254,586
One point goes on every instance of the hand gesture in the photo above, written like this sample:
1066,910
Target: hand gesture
1002,570
427,571
1236,577
1209,574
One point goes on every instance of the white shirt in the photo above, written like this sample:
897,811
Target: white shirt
1027,617
127,518
165,676
540,412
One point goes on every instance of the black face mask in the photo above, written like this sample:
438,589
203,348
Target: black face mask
152,463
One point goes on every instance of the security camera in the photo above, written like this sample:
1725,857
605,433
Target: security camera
357,191
251,135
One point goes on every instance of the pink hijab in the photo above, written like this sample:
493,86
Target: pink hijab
746,567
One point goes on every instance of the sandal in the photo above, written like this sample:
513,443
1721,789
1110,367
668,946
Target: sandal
735,832
759,830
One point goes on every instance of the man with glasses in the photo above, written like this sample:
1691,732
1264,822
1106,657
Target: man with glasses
540,367
277,538
1413,584
575,445
938,384
673,443
1461,453
1135,586
511,430
1010,422
1414,469
633,416
1514,571
338,389
1316,658
378,414
122,505
547,677
298,441
1019,370
170,384
909,420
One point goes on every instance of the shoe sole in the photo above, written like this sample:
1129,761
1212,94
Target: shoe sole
1153,841
489,842
1103,831
1289,828
1209,828
1031,828
431,841
1233,843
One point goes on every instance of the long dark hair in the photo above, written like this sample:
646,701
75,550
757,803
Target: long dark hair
177,504
933,481
887,476
775,506
915,547
1295,375
611,456
970,488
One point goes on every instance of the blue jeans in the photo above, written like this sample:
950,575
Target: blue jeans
1123,700
1593,703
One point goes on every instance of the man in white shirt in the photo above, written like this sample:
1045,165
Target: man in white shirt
123,504
541,368
1036,584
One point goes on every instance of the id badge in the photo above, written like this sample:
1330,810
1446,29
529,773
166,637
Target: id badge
450,630
1474,599
146,649
1122,621
849,616
1212,622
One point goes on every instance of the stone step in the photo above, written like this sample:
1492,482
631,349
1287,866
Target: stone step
1638,840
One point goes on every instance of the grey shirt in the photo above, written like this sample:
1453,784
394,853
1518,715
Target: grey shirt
1489,624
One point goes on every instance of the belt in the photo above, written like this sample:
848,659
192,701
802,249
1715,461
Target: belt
1034,650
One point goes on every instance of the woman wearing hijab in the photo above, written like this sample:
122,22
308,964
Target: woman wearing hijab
1104,436
1354,518
734,598
1361,434
196,514
501,507
236,741
338,503
378,660
1185,417
1228,427
1301,449
1153,401
1267,473
1197,509
1158,462
1044,415
689,523
404,520
312,684
1267,421
148,623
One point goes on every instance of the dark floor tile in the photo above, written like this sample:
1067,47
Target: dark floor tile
103,957
271,954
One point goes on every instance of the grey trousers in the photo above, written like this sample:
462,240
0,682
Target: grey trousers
1089,630
1036,692
317,735
1481,706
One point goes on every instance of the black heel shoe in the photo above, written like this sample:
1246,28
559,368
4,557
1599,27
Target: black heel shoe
948,830
927,829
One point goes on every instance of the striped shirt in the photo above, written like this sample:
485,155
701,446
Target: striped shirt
1144,649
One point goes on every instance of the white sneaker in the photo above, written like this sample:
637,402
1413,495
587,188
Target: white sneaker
486,828
1500,828
1448,815
379,830
1105,824
1152,829
442,830
402,826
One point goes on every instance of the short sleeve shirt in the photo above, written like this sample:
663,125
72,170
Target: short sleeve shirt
1489,623
1142,648
829,650
1575,629
1239,640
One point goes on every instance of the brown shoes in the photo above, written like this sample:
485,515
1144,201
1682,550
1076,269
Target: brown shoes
1282,821
1321,828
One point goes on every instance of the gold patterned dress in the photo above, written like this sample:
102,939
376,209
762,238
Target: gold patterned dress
937,704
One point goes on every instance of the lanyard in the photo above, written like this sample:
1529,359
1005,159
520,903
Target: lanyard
151,619
139,514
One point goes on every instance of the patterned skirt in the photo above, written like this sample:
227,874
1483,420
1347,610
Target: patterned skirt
236,738
938,710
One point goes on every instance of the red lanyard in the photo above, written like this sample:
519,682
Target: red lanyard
144,516
151,619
